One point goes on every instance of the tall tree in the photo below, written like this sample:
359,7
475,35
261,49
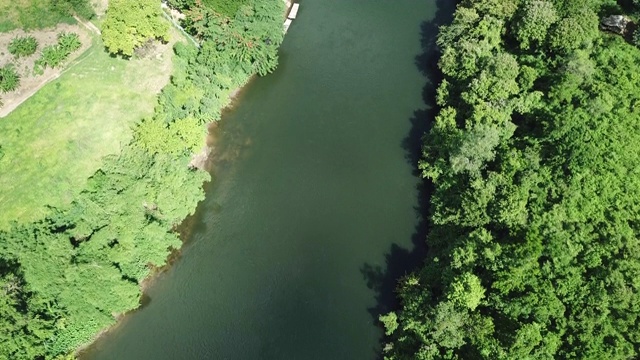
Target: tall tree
130,24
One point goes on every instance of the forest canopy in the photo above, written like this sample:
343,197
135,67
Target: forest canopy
534,248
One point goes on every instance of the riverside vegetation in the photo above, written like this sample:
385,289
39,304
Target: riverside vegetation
65,276
535,213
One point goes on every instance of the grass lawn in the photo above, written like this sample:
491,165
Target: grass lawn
29,14
55,140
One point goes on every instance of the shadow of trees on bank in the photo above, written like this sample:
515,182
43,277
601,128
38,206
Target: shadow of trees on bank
400,261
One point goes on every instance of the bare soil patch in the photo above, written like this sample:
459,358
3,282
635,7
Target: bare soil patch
29,81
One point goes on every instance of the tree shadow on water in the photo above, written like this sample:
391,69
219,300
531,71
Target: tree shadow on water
399,261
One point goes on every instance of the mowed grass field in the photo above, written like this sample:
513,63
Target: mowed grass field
55,140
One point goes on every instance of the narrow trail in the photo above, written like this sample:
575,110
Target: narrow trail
177,26
88,24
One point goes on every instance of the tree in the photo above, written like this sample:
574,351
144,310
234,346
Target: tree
129,24
534,239
535,19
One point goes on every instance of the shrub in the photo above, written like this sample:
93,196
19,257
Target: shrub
9,78
23,46
53,55
69,42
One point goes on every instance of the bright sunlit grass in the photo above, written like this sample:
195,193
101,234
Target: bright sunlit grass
54,141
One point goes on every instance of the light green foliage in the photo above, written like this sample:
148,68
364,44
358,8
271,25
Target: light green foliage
232,50
575,32
23,46
130,24
466,291
390,322
9,78
534,238
72,267
535,19
179,137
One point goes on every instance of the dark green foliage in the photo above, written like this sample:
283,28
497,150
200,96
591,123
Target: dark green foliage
81,8
64,277
38,14
9,78
232,50
54,55
227,8
23,46
636,38
534,218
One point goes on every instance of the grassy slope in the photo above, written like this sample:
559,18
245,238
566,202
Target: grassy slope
54,141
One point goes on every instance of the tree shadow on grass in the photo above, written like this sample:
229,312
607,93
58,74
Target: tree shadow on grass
400,261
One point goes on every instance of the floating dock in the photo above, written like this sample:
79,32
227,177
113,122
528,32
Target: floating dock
294,11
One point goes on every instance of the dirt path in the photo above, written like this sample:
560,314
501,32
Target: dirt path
89,25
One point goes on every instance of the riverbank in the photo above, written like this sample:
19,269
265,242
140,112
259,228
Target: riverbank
88,260
201,161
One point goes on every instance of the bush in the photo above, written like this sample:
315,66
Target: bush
69,42
23,46
53,55
9,79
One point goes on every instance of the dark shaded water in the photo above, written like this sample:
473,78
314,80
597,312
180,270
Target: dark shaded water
315,208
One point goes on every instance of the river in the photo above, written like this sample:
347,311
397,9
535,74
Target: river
314,209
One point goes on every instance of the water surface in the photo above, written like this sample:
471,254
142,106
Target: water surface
314,196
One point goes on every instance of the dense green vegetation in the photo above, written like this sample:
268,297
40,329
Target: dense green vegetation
224,7
534,239
23,46
130,24
65,276
38,14
9,78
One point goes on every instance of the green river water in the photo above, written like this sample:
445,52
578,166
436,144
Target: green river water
314,209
